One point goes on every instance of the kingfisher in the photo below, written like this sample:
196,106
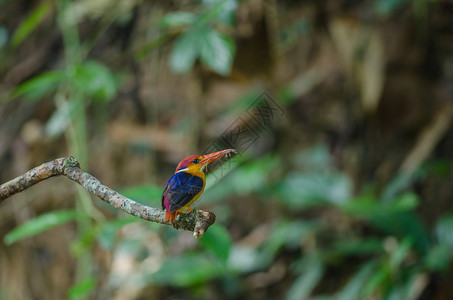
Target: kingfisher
188,182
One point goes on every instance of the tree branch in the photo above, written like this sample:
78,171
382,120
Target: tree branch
197,221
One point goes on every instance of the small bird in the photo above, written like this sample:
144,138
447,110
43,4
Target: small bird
188,182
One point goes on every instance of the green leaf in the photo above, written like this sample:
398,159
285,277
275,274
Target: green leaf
187,270
94,79
39,86
218,241
303,286
39,224
184,52
217,51
82,288
179,18
31,22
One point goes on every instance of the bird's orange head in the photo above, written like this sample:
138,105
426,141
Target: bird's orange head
188,161
197,163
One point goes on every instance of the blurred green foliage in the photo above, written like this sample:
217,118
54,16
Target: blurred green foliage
380,231
200,38
93,78
82,289
218,241
39,224
397,249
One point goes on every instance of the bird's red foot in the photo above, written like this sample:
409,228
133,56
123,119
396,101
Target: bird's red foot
170,217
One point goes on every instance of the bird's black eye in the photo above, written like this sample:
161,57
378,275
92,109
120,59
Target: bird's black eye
195,161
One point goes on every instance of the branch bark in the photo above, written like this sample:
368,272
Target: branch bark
197,221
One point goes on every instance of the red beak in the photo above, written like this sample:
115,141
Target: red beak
209,158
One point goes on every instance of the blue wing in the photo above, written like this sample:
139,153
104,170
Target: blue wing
180,189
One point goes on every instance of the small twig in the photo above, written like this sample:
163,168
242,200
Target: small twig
196,221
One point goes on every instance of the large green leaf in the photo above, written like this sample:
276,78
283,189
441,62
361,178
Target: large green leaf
218,241
39,224
217,51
